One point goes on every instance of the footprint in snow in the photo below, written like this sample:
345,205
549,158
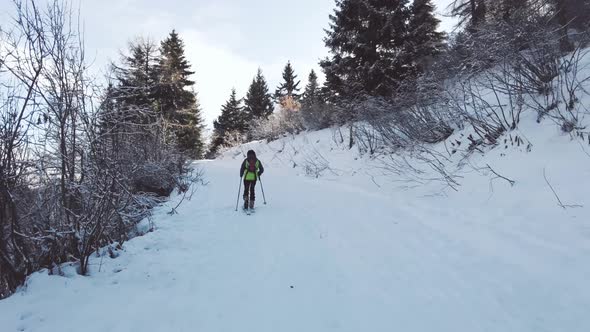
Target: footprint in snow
25,315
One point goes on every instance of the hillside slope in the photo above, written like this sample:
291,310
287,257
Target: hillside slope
347,251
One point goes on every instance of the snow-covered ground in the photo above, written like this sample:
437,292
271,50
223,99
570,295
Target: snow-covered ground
348,251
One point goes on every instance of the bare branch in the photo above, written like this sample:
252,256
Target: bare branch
559,202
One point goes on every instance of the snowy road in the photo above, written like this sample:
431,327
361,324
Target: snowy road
321,256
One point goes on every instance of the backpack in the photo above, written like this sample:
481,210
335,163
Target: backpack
252,166
251,169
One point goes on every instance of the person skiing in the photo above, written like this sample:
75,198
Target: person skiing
251,170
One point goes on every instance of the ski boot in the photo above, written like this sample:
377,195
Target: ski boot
245,207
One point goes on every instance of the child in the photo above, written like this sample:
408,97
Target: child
252,168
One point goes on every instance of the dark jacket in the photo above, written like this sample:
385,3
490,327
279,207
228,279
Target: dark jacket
244,165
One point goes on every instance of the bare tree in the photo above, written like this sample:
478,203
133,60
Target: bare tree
79,167
21,64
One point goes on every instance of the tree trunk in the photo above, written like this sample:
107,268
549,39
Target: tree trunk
562,20
351,137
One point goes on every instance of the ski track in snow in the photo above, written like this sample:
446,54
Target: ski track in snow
325,255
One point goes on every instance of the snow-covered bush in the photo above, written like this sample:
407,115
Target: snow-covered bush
154,178
562,99
317,115
522,69
78,169
278,124
402,122
315,165
221,143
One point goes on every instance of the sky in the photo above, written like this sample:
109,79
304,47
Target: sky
226,41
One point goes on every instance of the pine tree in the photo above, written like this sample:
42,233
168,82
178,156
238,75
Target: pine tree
312,89
188,126
366,39
174,68
568,14
129,104
508,11
239,118
108,119
232,116
258,102
314,108
424,41
471,13
179,105
232,120
290,85
137,77
578,11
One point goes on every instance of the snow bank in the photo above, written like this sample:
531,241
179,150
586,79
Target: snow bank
345,244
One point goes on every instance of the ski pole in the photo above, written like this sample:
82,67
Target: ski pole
239,190
262,187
